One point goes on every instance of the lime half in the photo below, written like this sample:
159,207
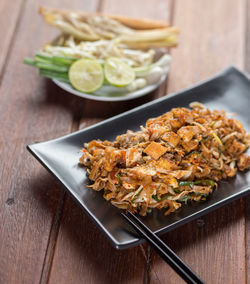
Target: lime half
117,72
86,75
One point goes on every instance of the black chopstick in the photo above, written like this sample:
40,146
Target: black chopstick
163,250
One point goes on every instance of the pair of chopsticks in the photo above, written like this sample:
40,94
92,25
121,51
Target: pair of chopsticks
163,250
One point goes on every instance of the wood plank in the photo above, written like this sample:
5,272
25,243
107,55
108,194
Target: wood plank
213,246
10,24
158,10
83,254
209,40
31,109
247,68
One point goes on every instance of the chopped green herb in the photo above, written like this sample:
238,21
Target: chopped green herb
164,197
186,183
119,178
200,194
184,199
219,150
155,198
137,195
197,182
206,182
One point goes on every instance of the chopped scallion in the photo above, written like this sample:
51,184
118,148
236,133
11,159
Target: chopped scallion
119,178
155,198
137,195
186,183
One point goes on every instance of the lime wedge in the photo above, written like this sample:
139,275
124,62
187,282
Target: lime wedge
86,75
117,72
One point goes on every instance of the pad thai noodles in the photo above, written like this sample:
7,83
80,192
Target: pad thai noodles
175,158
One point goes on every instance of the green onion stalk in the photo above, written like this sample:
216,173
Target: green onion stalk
53,67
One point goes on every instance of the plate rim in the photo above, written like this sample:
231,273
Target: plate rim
136,241
133,95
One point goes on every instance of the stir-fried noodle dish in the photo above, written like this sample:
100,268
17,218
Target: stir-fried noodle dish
175,158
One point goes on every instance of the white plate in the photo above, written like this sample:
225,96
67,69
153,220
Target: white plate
109,93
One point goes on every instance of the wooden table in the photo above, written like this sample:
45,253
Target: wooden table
44,235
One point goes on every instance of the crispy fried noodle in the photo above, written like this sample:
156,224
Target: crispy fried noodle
177,157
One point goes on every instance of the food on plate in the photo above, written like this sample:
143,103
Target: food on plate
86,75
175,158
96,26
118,73
130,43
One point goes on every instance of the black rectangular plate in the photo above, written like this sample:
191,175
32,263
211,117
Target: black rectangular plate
228,90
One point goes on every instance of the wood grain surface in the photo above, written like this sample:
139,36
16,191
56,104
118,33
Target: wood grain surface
45,237
7,34
201,55
247,68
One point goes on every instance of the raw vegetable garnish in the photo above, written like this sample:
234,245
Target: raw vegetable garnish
122,46
175,158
